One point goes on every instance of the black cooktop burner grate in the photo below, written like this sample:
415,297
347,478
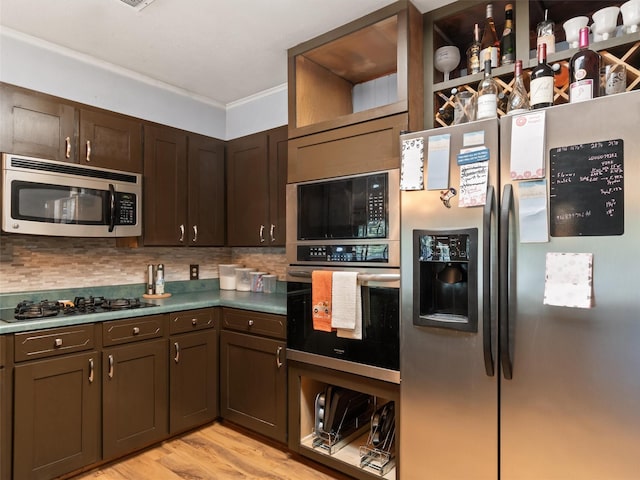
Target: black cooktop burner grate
28,309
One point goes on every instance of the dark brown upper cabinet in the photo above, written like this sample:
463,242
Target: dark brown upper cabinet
256,181
329,76
183,188
40,125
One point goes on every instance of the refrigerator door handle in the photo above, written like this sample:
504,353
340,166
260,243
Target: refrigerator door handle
487,289
503,313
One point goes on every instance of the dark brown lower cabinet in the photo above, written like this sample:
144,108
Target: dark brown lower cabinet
56,416
193,377
135,396
253,383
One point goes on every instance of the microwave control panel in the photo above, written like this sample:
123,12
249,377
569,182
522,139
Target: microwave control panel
126,208
344,253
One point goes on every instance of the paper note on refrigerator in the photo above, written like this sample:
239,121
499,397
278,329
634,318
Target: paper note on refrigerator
569,280
438,162
527,146
412,164
473,184
532,212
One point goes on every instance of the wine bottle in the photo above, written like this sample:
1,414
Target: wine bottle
473,52
546,35
584,71
508,40
542,81
490,40
487,92
518,99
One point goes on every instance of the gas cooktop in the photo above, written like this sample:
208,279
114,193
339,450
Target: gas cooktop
33,310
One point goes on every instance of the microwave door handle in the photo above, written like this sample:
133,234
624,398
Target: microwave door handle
112,207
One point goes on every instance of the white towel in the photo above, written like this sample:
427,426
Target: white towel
346,304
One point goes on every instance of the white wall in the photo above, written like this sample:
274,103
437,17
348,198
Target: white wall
38,65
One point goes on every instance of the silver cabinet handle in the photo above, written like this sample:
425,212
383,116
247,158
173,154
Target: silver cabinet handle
278,361
177,357
181,233
91,370
88,150
110,366
250,323
195,233
67,144
136,330
261,233
271,232
57,343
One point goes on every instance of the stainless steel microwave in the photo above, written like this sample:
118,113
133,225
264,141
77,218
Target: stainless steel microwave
46,197
352,220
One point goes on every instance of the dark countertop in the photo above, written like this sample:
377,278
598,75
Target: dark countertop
205,294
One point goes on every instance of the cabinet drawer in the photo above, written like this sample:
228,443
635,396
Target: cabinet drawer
255,322
191,320
57,341
133,329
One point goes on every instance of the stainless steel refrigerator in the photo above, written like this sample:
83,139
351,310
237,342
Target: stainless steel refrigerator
503,373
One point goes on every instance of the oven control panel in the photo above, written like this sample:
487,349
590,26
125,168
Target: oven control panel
344,253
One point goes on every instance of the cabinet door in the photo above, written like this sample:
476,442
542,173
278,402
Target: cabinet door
248,191
56,415
193,373
206,191
277,186
165,181
253,383
135,396
110,140
37,125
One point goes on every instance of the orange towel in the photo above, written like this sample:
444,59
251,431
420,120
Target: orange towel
321,281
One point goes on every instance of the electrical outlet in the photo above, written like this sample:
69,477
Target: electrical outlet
194,272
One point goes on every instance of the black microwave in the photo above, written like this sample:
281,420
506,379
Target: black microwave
351,220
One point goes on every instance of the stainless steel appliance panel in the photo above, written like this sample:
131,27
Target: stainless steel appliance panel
449,416
571,408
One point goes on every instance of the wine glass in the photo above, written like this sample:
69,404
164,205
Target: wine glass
446,59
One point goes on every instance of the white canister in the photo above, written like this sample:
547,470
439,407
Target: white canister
227,275
256,281
243,279
269,283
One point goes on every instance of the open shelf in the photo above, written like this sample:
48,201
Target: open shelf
358,72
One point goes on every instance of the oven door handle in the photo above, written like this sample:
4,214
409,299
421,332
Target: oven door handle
363,277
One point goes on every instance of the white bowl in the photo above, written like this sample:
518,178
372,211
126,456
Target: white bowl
572,29
605,22
631,15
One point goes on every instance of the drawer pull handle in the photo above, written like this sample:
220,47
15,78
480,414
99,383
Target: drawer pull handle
194,321
250,323
91,370
195,234
177,357
271,232
261,233
88,150
181,239
278,360
136,330
57,342
67,142
110,366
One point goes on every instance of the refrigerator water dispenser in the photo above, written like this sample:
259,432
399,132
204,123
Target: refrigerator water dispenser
445,283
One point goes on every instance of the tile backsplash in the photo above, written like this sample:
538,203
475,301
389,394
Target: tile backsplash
29,263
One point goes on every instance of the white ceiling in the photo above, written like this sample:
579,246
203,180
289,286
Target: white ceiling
219,50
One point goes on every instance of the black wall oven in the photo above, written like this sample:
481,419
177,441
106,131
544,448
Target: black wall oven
346,224
377,355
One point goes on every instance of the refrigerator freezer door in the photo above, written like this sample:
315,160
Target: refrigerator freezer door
571,407
448,419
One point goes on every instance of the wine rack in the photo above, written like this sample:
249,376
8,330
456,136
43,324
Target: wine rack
452,24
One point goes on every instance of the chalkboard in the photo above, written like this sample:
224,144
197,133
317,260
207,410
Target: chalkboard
586,193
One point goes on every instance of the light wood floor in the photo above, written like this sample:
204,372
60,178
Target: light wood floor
217,451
